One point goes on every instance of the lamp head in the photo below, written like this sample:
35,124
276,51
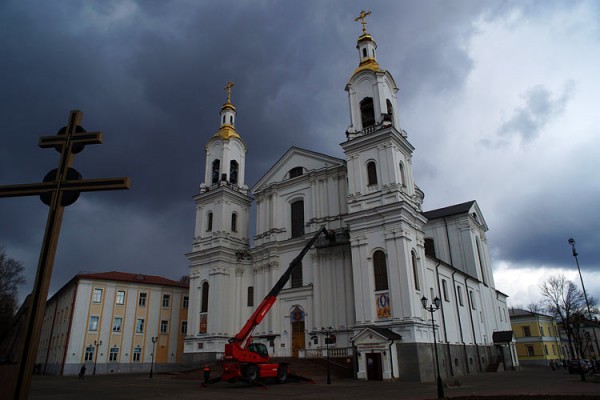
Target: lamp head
424,302
437,302
572,241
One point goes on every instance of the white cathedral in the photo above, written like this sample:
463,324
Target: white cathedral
364,290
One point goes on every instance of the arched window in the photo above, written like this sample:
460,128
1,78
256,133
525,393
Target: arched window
367,112
380,271
204,304
233,172
371,173
364,52
231,119
415,270
297,276
297,218
216,166
234,222
296,171
209,222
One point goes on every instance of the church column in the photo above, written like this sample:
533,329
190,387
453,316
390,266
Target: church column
318,289
361,279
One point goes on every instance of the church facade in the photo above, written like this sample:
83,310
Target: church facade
359,295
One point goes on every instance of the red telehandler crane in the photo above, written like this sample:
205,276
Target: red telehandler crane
248,361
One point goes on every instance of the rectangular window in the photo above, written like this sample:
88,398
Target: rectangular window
137,352
472,298
186,302
93,323
530,351
164,326
166,300
142,299
117,322
114,354
297,218
297,276
97,296
120,297
184,327
459,294
546,349
89,353
139,326
541,330
445,290
526,331
250,296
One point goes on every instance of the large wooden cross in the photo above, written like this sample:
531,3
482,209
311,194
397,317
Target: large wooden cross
59,189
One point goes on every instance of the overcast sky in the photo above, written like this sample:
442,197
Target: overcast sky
500,99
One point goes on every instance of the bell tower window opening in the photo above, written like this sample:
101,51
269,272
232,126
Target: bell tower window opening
402,175
234,222
297,209
389,110
233,172
371,173
223,119
415,270
216,166
380,271
204,303
367,112
364,52
209,222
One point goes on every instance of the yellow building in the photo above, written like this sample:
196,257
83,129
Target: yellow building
538,338
114,322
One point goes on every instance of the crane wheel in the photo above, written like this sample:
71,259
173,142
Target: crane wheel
251,372
282,373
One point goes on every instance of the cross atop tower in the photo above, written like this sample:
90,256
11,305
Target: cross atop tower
228,88
361,17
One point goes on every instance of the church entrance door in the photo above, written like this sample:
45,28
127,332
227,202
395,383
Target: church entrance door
374,372
297,338
297,319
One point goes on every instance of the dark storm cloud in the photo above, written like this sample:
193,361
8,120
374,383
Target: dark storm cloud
540,107
150,75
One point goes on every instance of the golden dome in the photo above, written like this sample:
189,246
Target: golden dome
368,64
227,132
228,106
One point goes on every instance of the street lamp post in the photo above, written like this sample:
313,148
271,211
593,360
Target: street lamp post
587,303
154,340
96,345
431,308
327,333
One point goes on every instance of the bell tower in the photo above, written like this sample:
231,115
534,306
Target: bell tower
221,237
384,204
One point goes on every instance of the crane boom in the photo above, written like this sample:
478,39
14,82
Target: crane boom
271,297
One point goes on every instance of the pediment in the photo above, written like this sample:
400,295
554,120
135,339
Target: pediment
374,336
295,157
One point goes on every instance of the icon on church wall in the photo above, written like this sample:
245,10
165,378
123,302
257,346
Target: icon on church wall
383,305
297,314
203,323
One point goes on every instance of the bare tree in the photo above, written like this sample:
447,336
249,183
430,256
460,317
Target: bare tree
11,276
535,307
566,303
184,279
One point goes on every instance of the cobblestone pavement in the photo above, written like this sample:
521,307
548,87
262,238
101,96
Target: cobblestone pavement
525,382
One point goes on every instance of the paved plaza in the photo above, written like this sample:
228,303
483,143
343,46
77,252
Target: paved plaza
527,381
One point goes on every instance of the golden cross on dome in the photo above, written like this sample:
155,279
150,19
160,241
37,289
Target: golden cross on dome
361,17
228,88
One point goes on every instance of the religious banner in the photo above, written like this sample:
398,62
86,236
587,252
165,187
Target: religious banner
203,323
383,305
297,315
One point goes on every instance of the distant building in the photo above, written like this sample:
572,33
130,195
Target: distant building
107,321
366,284
538,338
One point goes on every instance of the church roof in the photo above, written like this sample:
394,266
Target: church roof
461,208
502,336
